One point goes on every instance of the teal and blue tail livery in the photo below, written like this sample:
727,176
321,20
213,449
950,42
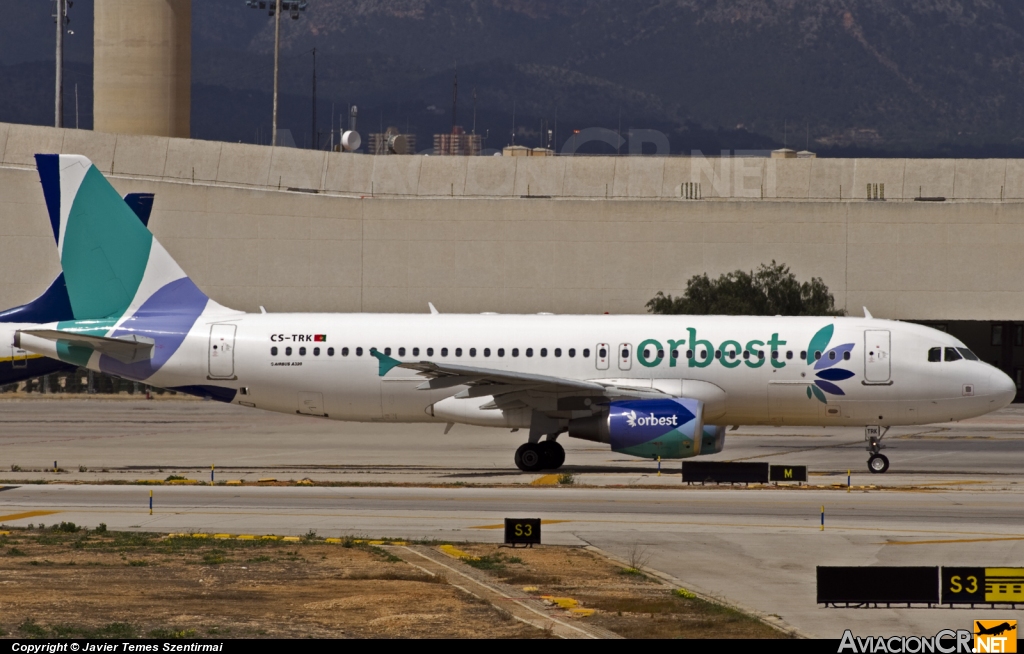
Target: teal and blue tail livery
122,285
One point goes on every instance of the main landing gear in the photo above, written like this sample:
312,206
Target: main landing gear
877,462
543,455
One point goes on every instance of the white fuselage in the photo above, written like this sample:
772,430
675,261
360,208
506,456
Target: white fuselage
892,381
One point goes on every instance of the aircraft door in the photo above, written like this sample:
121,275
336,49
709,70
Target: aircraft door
602,353
19,358
222,351
877,368
625,356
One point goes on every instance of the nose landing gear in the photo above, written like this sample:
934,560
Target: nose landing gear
544,455
877,462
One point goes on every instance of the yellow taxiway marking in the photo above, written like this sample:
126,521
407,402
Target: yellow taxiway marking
27,514
456,553
545,480
543,522
952,540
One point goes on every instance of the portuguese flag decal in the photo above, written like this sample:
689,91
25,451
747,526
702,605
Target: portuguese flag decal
320,338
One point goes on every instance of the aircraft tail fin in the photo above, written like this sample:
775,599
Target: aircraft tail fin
113,266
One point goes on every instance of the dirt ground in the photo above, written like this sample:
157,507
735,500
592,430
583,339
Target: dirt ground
78,583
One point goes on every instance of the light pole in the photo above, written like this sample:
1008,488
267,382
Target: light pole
60,18
294,7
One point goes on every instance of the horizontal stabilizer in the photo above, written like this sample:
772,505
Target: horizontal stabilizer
129,348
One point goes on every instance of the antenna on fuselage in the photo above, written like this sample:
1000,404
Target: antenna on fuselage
433,309
867,314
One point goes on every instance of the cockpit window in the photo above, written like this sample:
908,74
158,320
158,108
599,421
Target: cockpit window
935,354
970,356
952,354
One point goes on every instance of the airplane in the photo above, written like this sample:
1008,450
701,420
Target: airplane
650,386
997,630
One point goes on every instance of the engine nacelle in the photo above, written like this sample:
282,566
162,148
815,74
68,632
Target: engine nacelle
670,428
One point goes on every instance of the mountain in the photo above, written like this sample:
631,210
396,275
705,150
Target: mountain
838,76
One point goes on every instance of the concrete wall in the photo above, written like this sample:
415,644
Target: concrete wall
247,244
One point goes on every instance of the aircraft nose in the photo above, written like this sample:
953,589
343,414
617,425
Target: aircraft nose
1002,387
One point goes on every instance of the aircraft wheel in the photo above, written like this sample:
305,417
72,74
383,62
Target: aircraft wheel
878,463
529,457
552,455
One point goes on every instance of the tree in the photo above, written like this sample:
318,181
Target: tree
771,290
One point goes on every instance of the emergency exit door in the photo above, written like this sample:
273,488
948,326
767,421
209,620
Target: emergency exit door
602,354
222,351
877,359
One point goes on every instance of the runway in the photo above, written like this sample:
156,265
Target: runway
956,499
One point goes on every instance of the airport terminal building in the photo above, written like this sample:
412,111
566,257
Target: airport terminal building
936,241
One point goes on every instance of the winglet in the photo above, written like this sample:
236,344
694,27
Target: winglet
433,309
867,314
387,364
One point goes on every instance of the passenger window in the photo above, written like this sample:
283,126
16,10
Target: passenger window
675,354
760,355
359,351
302,351
732,354
602,353
952,354
273,351
501,351
444,351
970,356
789,354
718,354
316,351
529,351
558,351
661,354
703,354
846,355
832,355
803,355
415,351
543,351
515,351
572,352
746,355
458,351
287,351
401,351
775,355
625,353
387,351
935,355
430,351
487,351
472,351
330,351
586,353
817,355
344,351
689,354
647,353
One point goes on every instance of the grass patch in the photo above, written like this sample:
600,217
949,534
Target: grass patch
138,563
566,479
176,478
14,551
633,572
262,558
383,553
31,629
215,557
67,528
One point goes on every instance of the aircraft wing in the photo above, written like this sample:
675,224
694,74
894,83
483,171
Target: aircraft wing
126,349
511,389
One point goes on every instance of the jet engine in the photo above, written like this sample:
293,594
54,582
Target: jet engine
670,428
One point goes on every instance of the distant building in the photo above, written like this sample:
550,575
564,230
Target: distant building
523,151
783,153
806,154
458,143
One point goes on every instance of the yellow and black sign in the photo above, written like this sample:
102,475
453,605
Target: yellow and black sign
522,531
982,585
787,473
995,635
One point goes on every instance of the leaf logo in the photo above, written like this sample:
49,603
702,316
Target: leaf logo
825,360
631,418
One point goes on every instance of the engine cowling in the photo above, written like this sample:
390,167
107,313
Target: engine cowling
670,428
